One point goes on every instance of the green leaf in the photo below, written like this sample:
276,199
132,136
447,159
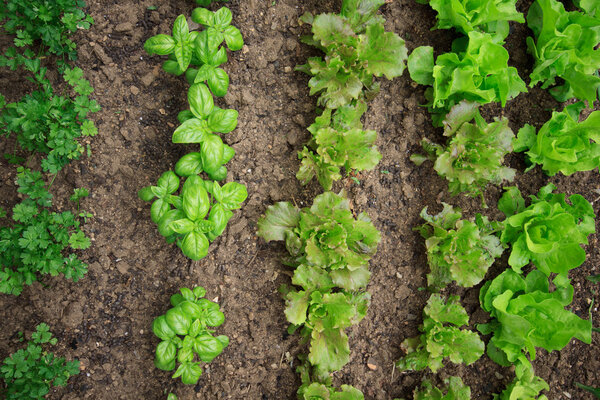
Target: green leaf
165,355
223,121
164,223
278,219
195,199
212,150
191,131
207,347
178,321
233,38
158,209
201,101
162,45
190,164
189,372
420,65
383,52
182,226
169,181
195,245
232,195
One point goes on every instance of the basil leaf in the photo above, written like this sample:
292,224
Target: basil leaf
164,224
191,131
190,164
222,18
212,153
169,181
172,67
178,321
165,356
201,101
218,82
203,16
207,347
233,38
161,328
146,194
182,226
195,200
195,245
232,195
158,209
223,121
160,44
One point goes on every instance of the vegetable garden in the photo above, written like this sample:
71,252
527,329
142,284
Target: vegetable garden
316,200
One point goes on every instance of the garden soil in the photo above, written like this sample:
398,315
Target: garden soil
104,320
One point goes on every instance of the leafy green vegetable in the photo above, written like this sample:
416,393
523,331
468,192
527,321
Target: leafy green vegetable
30,373
49,21
35,244
330,251
46,122
549,232
526,385
200,214
563,144
486,16
591,7
441,337
456,390
319,391
476,70
565,46
457,249
206,3
357,49
339,142
200,49
526,315
191,317
474,155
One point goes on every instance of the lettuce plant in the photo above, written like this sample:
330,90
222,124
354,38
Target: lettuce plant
457,249
486,16
195,217
525,386
549,232
186,335
565,46
591,7
476,70
356,48
474,154
338,141
441,337
455,390
30,373
319,391
526,315
330,251
563,144
38,240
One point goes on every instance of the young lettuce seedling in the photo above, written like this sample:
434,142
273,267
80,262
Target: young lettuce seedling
457,249
476,69
441,337
474,154
563,144
186,334
330,251
455,388
549,232
565,45
200,214
486,16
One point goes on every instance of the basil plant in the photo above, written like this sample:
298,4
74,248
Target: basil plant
186,336
197,215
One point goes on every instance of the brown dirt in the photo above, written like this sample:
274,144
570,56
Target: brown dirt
104,320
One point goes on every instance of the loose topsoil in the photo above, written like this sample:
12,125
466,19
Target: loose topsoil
104,320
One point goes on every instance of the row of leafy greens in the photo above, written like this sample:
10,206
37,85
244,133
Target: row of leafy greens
198,213
357,50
